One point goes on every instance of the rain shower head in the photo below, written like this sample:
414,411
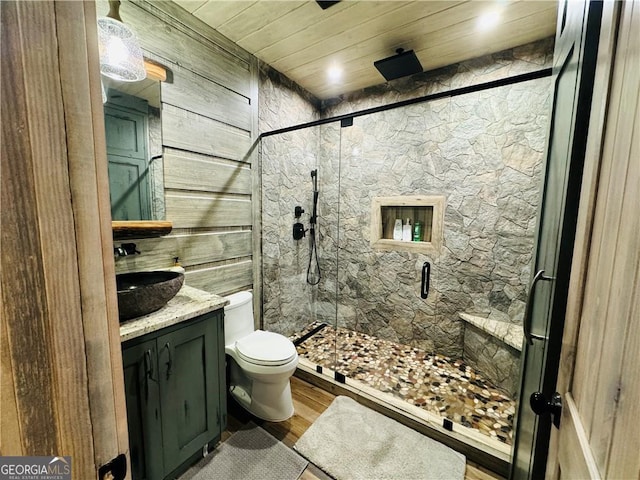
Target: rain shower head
399,65
324,4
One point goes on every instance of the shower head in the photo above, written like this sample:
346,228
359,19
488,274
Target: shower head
399,65
314,173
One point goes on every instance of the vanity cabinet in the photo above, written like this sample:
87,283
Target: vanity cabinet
175,394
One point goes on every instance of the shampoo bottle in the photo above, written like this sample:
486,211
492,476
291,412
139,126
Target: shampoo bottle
417,231
397,230
406,231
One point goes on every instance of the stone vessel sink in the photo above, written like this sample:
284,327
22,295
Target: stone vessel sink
140,293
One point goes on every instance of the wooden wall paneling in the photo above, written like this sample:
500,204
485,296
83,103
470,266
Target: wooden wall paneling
195,172
190,211
189,131
81,90
198,94
171,33
256,197
169,10
222,279
209,120
192,249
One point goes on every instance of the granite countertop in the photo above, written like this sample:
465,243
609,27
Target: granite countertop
509,333
188,303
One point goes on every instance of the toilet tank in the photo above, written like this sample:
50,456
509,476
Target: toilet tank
238,317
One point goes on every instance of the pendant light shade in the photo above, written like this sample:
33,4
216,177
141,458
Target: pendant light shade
120,54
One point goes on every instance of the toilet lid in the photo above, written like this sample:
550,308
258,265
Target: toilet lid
266,348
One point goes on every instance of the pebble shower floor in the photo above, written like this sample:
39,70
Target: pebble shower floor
436,383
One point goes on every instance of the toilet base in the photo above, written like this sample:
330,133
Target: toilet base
268,401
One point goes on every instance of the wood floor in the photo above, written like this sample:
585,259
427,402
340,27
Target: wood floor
309,402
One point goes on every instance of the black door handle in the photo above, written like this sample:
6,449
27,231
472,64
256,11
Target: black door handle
541,406
528,311
426,274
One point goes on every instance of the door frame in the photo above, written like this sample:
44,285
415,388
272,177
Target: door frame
62,379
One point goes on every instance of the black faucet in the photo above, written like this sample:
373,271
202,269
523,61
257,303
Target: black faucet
125,249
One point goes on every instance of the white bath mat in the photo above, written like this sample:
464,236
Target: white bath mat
249,454
352,442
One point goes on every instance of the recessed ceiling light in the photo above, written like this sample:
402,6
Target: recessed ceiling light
488,20
334,73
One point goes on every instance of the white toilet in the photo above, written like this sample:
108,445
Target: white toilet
261,363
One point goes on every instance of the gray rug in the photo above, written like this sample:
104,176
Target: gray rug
350,442
250,453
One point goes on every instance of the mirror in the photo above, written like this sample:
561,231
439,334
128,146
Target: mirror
134,149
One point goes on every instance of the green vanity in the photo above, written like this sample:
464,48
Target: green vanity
174,371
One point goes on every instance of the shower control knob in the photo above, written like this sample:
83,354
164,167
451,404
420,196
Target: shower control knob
298,211
298,231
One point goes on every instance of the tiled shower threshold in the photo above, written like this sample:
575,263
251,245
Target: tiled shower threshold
445,395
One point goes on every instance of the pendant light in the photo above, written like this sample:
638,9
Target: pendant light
120,54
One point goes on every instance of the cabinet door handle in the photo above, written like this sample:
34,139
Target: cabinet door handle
170,361
148,365
148,373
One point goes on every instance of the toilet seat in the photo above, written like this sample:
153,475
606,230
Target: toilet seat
265,348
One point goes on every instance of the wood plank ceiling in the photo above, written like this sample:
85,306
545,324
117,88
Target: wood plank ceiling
302,41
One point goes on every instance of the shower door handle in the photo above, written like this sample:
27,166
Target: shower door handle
426,273
528,312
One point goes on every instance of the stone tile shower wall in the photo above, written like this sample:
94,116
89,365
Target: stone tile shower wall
286,163
482,151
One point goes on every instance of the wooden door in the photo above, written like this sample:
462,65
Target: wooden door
574,65
62,391
598,436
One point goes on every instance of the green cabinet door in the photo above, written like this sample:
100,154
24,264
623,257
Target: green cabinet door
189,390
143,410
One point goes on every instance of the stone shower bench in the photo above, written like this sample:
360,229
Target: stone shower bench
509,333
493,347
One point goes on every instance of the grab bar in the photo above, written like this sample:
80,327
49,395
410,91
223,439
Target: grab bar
526,324
426,273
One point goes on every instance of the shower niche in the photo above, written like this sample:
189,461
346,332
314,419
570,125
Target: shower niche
428,210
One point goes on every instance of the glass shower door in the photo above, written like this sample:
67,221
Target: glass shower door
298,241
387,287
